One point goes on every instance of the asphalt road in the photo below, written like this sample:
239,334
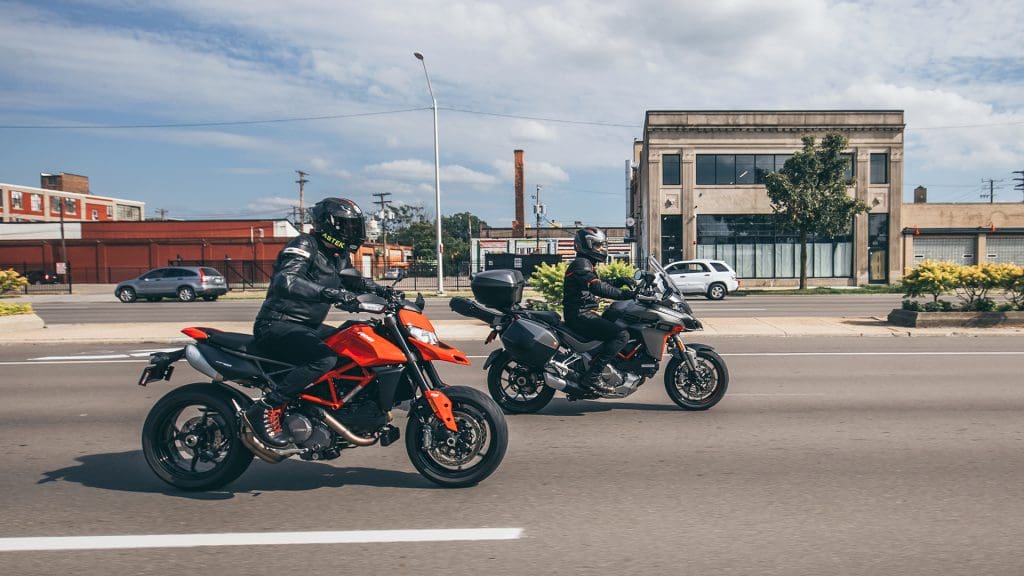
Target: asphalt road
828,456
830,305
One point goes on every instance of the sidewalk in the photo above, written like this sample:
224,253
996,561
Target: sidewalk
29,330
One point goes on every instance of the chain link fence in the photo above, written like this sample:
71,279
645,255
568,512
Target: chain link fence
41,280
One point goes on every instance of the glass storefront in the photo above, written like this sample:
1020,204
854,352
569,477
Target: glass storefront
756,248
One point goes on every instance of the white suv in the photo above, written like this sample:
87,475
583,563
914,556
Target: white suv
712,278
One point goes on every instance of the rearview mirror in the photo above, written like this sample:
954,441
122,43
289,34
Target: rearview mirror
638,275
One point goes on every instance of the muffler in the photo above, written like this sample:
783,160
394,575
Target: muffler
552,381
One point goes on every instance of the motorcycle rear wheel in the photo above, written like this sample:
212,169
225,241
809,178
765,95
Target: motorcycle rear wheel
191,439
517,389
463,458
700,390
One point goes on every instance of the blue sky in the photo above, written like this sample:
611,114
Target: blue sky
502,72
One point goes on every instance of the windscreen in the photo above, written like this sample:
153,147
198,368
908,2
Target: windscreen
667,286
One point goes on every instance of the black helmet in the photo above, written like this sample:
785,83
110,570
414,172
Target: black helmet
339,222
591,243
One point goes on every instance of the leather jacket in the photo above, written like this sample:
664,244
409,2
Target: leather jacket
582,284
304,269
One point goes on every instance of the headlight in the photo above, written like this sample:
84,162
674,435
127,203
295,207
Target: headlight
371,307
422,335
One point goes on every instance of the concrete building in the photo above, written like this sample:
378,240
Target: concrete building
972,233
29,204
698,192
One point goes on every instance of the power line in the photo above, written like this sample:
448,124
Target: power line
205,124
541,118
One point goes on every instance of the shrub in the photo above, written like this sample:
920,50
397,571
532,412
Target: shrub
912,305
938,306
976,281
7,309
1013,283
549,280
931,278
11,280
1006,307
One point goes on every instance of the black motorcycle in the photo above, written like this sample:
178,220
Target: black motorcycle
541,355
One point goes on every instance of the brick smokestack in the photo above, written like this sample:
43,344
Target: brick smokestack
518,225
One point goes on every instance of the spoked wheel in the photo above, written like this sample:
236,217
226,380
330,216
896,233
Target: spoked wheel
186,294
698,389
516,388
463,458
190,439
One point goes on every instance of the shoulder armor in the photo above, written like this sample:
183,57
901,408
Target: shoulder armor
302,246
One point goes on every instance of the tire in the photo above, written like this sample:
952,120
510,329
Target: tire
516,389
717,291
166,438
127,295
481,426
209,298
697,393
186,294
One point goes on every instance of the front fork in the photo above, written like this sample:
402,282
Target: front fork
689,355
437,400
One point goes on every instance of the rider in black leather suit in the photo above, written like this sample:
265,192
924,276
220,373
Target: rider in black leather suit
305,283
580,304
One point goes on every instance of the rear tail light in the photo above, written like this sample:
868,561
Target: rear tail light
202,277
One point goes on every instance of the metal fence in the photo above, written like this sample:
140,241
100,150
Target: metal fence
245,275
41,280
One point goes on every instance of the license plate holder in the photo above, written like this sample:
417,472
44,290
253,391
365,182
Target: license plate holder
159,367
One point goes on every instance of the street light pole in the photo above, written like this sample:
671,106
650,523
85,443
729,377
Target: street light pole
437,179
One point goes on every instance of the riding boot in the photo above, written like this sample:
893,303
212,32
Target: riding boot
265,421
592,378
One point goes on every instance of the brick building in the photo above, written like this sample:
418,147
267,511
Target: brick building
70,191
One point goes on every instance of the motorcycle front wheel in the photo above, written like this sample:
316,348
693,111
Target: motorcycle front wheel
516,388
698,389
191,439
463,458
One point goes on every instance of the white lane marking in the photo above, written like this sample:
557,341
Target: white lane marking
713,309
38,363
1013,353
153,350
255,539
83,357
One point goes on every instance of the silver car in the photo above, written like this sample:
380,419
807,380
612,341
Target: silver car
712,278
186,283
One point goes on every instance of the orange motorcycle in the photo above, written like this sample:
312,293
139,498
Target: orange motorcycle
195,439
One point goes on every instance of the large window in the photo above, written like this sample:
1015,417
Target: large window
15,199
879,168
756,248
671,238
726,169
670,170
36,201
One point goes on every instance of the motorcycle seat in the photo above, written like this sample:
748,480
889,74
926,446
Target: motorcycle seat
546,316
575,340
232,341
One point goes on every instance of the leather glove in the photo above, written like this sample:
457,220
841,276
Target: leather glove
336,296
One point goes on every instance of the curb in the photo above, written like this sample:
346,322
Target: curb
20,323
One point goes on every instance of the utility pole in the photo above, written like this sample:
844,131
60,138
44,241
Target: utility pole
1019,186
64,246
384,204
538,209
991,195
302,205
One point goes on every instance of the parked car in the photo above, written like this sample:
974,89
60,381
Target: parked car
394,274
712,278
185,283
41,277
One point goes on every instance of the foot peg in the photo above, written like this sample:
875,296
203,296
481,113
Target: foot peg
389,435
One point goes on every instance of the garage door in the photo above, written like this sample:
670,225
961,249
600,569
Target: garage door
1006,249
958,249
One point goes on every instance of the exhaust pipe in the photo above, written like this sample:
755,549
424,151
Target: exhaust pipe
265,453
552,381
344,432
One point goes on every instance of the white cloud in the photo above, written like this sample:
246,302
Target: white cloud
418,170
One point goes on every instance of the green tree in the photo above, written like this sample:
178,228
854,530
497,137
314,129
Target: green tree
411,228
809,194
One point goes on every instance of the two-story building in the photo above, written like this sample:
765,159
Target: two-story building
67,192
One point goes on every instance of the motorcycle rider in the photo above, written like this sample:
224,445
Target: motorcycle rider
306,282
580,305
